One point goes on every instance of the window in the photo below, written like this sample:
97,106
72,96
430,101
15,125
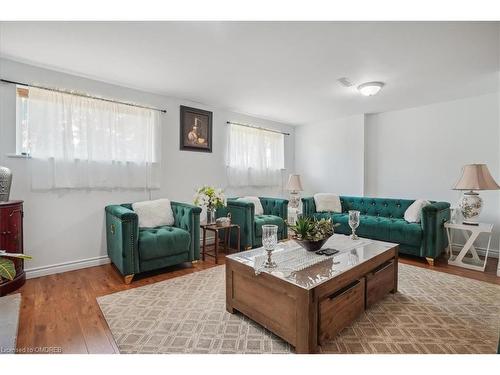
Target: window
255,157
82,142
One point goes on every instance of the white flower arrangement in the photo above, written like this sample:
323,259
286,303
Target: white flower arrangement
209,197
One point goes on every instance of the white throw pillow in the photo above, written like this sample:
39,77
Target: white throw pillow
259,210
413,214
154,213
326,202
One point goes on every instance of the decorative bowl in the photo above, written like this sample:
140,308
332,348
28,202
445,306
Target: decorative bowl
223,221
311,245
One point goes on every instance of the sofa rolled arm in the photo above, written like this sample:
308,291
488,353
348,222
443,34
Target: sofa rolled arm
122,236
435,240
121,212
243,214
308,206
187,217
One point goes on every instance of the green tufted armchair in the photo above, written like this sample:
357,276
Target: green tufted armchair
134,250
243,214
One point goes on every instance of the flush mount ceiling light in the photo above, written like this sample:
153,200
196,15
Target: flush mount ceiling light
370,88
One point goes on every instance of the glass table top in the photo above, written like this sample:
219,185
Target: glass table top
306,269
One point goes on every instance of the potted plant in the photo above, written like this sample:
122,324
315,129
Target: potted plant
7,266
311,234
210,198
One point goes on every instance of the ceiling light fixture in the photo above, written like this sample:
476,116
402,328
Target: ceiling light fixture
370,88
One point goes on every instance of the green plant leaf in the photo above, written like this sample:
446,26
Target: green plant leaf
15,255
312,229
7,269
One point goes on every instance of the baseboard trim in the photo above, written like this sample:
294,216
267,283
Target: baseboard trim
31,273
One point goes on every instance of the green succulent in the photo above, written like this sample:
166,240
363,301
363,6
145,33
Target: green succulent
312,229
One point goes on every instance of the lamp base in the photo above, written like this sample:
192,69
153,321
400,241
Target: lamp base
294,199
471,205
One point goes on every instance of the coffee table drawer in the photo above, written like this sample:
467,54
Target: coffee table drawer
340,309
379,282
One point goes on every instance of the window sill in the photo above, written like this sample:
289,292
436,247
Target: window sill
18,156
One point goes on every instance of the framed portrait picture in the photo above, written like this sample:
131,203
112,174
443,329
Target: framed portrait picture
196,129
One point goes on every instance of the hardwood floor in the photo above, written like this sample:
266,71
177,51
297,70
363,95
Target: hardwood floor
59,313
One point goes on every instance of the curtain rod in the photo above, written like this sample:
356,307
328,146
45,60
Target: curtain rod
83,95
257,127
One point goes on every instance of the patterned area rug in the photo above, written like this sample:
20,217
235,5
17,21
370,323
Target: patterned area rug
9,319
433,312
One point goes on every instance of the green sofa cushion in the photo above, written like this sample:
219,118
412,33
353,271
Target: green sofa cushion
406,233
261,220
378,228
162,242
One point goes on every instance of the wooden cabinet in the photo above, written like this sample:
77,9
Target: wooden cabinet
11,240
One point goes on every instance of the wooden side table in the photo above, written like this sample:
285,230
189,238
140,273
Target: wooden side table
475,231
227,238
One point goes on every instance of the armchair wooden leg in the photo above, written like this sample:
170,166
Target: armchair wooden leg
127,279
430,261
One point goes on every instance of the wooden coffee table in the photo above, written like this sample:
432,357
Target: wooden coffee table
309,307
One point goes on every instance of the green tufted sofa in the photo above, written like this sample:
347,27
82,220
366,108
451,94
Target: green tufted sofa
134,250
383,219
243,214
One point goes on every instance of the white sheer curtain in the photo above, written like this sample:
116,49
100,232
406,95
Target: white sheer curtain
79,142
255,157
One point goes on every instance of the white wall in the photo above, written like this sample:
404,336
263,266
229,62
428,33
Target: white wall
329,156
68,226
419,152
411,153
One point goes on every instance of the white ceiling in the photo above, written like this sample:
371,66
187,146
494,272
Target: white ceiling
285,71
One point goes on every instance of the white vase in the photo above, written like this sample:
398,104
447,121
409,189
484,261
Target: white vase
5,183
470,205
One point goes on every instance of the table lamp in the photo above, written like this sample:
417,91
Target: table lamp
294,186
474,177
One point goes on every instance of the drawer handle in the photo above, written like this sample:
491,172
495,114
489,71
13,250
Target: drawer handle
382,268
344,290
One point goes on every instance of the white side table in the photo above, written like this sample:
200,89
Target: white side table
470,233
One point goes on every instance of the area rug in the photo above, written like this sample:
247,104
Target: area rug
432,312
9,319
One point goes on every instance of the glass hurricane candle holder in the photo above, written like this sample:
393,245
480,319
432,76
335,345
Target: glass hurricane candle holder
269,241
354,223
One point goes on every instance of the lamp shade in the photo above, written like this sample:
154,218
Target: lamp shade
294,183
476,177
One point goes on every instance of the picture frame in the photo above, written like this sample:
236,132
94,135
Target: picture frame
195,129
